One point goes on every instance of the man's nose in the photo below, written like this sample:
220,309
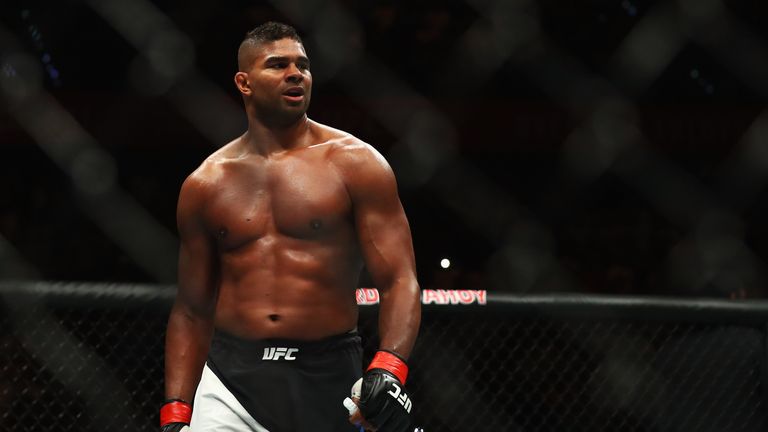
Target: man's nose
294,74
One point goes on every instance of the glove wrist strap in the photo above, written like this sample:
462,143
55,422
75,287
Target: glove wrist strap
175,411
391,363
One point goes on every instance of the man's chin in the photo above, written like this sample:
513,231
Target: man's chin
282,114
288,117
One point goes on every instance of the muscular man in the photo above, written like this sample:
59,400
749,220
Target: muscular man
275,228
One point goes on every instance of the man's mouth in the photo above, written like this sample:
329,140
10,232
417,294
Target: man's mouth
294,91
294,94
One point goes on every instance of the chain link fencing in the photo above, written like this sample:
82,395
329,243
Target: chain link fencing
84,358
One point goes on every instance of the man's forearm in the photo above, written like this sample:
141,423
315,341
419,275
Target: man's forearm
187,343
400,317
384,402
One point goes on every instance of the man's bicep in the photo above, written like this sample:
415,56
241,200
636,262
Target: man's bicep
383,230
196,271
197,264
387,248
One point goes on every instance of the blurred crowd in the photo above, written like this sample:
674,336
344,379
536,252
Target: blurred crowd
546,227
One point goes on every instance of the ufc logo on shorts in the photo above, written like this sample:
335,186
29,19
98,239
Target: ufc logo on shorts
276,353
403,398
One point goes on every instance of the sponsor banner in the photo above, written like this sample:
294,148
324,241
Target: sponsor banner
370,296
367,296
445,297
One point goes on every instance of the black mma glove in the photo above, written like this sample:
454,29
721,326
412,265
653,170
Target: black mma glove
174,415
174,427
383,400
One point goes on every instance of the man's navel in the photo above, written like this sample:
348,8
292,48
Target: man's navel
222,233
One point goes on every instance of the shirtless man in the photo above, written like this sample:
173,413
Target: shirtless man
275,228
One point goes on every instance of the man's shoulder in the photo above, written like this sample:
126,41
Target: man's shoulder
353,153
351,147
358,162
337,139
346,149
212,168
207,175
361,167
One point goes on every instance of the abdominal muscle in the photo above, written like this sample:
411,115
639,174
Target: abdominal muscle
308,300
254,318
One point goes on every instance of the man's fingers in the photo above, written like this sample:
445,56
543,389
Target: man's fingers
357,418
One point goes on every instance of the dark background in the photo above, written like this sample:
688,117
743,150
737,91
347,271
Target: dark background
523,204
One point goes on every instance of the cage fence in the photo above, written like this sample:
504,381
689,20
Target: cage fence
81,357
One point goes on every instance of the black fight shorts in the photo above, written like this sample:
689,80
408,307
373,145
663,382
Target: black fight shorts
288,385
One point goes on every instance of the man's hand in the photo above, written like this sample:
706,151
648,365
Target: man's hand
352,402
175,416
175,427
384,402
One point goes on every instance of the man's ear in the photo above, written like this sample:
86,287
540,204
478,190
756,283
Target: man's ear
242,84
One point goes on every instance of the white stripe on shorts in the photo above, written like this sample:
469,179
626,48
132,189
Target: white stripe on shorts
217,409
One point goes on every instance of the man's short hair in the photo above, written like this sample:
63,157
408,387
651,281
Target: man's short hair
268,32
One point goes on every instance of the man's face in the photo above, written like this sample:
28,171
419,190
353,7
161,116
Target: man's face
278,83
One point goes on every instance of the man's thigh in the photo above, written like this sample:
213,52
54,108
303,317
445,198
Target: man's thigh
217,409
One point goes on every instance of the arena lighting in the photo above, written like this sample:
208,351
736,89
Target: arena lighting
445,263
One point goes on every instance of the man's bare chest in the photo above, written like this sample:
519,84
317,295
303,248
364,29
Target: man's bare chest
299,200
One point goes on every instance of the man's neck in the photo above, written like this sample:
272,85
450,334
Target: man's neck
264,140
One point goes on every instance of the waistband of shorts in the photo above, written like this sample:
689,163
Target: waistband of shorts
329,343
